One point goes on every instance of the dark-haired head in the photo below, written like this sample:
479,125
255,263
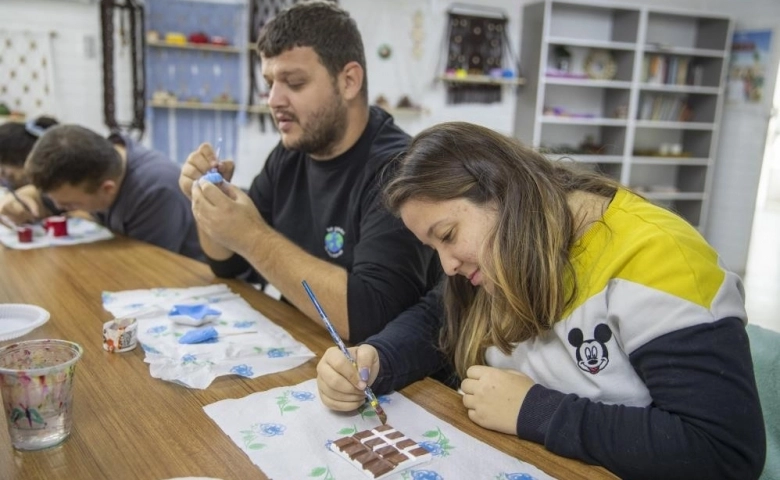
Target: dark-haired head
77,168
16,142
321,25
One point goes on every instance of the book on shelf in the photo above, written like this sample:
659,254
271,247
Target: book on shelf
667,70
667,108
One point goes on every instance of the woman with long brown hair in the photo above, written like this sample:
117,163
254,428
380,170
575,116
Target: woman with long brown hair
575,314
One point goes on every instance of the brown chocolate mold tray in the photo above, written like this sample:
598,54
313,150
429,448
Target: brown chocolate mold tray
380,452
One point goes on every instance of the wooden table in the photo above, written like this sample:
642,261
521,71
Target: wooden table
127,424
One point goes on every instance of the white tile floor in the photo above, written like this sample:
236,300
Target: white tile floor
762,278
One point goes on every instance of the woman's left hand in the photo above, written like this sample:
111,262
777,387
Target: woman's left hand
493,397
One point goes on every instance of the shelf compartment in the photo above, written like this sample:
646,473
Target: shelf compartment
586,82
702,72
593,22
587,43
668,160
482,80
684,179
585,158
683,51
695,143
674,107
624,61
609,141
204,47
604,122
680,32
662,87
571,104
674,125
195,105
690,196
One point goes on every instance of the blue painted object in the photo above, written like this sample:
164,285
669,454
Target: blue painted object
193,314
213,177
199,335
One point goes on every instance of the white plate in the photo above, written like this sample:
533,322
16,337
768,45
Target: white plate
17,319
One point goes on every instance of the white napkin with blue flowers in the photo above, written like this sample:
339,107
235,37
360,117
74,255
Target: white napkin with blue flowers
80,230
269,350
275,428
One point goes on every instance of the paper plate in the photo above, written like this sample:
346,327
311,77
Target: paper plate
17,319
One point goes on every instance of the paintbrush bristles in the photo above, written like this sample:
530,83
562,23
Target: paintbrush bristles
381,414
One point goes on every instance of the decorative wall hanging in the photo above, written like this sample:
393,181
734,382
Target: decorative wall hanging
477,46
131,17
27,73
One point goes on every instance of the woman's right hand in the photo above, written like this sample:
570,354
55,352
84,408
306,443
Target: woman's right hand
13,212
339,383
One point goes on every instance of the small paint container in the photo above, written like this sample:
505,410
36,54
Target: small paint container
120,335
25,234
57,226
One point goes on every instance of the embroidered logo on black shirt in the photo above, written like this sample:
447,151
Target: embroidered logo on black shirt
334,241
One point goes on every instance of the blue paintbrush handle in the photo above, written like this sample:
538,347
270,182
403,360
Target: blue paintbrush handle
333,334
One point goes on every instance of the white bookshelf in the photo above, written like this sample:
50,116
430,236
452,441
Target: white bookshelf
654,123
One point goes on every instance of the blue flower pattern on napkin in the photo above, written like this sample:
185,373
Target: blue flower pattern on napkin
244,324
244,370
270,429
278,353
157,329
433,447
302,396
515,476
425,475
189,358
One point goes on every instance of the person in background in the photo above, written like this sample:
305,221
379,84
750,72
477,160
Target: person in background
16,142
576,314
130,189
314,212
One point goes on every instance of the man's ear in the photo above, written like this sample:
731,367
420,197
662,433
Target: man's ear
108,187
351,79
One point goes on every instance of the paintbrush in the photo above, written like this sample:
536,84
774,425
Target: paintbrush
372,400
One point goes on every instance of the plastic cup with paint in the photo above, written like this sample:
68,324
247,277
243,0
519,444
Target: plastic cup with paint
25,234
36,383
58,226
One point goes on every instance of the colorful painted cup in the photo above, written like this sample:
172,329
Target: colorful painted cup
36,382
120,335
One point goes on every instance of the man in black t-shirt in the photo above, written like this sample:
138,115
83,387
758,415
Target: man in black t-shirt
314,213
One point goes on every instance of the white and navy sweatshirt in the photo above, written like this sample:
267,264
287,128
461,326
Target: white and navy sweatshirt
648,373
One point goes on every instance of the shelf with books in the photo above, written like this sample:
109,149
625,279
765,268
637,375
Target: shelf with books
657,87
680,70
668,160
674,125
552,79
604,122
652,105
586,158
